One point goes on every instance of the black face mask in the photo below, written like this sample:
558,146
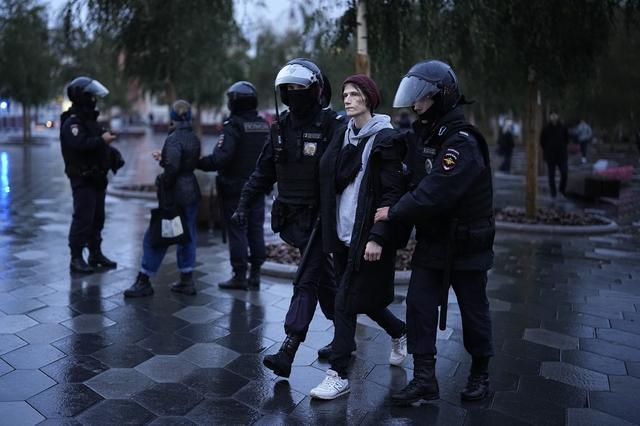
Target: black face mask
302,101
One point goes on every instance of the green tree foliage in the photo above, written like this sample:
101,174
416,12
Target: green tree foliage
27,66
175,49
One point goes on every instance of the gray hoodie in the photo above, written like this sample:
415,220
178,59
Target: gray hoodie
347,202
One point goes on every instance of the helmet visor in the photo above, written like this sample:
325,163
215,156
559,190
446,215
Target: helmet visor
412,89
296,74
96,89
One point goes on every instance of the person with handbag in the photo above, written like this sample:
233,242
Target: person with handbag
360,172
178,199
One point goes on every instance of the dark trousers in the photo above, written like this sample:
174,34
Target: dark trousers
506,163
551,168
422,310
345,322
316,284
88,215
583,148
246,243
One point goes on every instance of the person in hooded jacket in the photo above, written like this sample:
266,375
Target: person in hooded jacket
234,157
360,172
450,202
88,156
177,185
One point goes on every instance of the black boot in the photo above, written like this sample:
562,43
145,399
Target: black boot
78,264
280,362
424,385
98,259
254,277
141,288
325,351
478,383
237,282
186,285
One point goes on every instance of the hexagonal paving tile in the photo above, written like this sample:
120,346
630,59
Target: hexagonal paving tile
209,355
44,333
10,324
166,368
198,314
64,400
551,338
22,384
575,376
122,355
119,383
33,356
168,399
19,414
88,323
116,412
215,382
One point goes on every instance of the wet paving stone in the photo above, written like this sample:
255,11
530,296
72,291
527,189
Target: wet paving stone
19,413
166,369
64,400
532,411
19,385
172,421
33,356
168,399
117,412
270,397
209,355
594,362
122,355
44,333
119,383
10,324
245,342
575,376
591,417
223,411
613,350
161,344
10,342
619,405
74,369
202,333
82,344
215,382
88,323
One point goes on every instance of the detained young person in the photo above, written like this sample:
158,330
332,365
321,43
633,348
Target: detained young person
360,172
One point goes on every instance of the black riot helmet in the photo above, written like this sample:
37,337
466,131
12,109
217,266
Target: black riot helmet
82,91
242,96
304,72
432,80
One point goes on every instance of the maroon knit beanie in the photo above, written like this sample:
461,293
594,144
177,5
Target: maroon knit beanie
368,87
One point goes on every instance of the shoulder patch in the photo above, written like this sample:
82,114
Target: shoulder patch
75,129
255,126
450,159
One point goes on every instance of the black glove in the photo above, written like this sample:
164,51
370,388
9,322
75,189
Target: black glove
239,217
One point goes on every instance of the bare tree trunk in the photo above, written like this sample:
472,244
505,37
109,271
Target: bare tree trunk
531,141
26,124
362,56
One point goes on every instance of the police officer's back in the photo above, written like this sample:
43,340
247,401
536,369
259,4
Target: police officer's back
451,204
234,157
88,157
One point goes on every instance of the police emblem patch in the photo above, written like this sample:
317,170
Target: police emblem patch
310,149
75,129
450,159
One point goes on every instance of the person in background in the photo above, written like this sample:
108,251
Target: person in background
554,140
584,134
177,185
505,145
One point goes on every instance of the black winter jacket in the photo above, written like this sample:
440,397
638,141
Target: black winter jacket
180,154
370,284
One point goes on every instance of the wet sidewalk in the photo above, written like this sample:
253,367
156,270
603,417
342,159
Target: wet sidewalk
566,321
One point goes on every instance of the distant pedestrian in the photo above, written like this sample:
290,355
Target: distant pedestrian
584,134
554,141
177,185
505,146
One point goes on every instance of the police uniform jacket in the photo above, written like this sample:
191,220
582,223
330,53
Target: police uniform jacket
180,154
370,285
450,201
87,158
237,150
294,166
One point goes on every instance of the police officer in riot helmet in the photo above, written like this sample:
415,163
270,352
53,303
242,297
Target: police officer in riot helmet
234,157
450,202
290,158
88,156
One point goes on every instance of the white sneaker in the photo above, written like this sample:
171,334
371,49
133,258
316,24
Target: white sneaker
398,350
331,387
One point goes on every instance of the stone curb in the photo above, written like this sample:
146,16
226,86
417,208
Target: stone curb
281,270
123,193
609,227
